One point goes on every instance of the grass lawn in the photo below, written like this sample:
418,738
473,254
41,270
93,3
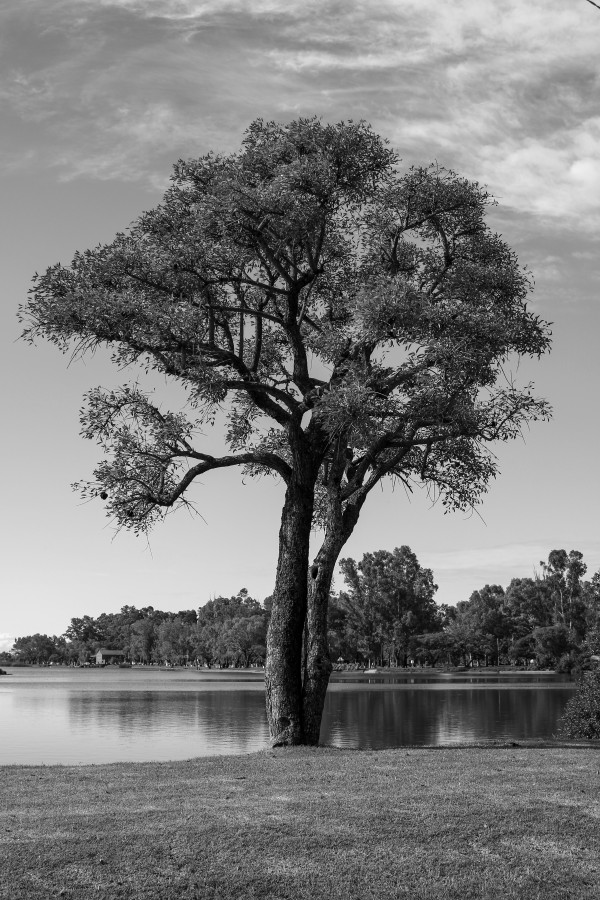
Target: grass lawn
514,822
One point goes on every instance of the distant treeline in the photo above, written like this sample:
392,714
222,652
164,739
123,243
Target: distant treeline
386,615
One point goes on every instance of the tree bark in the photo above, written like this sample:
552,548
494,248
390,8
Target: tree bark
283,668
317,664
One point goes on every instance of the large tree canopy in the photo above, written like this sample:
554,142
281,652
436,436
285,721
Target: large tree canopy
353,323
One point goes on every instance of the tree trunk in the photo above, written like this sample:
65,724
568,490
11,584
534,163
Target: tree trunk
317,665
283,669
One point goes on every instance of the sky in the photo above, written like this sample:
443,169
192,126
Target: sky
98,99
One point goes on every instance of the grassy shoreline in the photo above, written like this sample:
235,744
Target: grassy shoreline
463,822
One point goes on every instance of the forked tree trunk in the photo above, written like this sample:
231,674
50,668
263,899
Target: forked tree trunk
283,668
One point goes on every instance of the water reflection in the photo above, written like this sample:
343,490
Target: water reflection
376,719
77,716
442,679
94,726
199,723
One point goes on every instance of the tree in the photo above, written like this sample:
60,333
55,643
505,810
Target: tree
245,638
341,640
484,618
87,633
389,601
36,648
592,601
353,323
144,635
562,576
117,628
551,644
529,605
174,640
231,629
522,649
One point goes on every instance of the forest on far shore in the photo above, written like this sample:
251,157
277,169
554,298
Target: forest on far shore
386,615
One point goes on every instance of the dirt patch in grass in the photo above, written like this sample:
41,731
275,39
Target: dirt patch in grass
308,823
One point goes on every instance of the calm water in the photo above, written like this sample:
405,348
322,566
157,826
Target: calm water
59,715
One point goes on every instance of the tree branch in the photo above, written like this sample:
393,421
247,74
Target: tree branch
270,460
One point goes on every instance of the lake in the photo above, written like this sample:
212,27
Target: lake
75,716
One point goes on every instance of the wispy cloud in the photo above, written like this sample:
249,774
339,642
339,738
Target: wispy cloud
500,564
193,9
505,93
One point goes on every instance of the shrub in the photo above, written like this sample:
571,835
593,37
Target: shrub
550,644
575,662
581,718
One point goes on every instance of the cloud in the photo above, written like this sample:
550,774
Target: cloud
6,642
504,93
556,179
548,268
127,132
193,9
501,563
505,557
588,255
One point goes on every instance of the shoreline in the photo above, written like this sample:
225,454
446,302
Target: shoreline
524,744
259,670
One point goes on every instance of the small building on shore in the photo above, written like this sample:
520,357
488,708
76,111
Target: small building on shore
109,657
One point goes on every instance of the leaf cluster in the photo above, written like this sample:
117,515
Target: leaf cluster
332,308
